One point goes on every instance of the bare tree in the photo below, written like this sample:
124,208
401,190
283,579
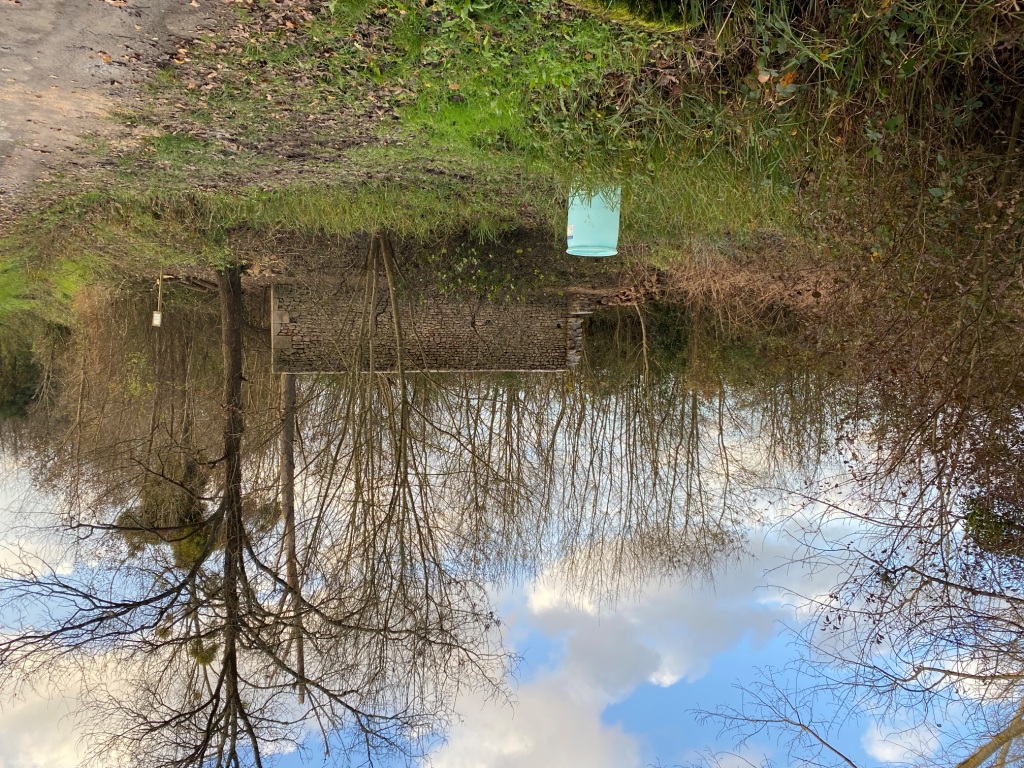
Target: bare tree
205,649
926,616
354,604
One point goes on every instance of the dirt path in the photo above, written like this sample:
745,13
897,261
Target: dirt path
64,64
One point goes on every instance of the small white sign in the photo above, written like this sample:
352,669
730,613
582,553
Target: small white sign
157,317
569,231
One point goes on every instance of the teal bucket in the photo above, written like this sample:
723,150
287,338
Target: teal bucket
593,228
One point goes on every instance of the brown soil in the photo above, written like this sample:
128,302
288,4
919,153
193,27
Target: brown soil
66,64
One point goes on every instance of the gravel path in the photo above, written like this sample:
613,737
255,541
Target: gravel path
64,64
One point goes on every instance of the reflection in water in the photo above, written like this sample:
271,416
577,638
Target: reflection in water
257,555
351,327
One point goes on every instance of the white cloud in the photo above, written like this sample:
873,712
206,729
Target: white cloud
552,725
670,632
25,515
898,746
549,594
37,732
673,630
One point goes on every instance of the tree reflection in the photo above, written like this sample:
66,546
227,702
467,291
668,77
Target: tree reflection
921,630
200,651
236,566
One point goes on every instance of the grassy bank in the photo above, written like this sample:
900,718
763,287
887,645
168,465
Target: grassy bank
879,142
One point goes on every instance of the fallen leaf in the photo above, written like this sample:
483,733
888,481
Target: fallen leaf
453,86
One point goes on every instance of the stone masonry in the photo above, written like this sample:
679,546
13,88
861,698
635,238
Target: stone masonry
350,327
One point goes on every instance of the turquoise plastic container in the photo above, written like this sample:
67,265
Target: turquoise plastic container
593,228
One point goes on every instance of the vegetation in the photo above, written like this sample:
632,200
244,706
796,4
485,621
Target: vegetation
882,137
823,195
993,526
19,378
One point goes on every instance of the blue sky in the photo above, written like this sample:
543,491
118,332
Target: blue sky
615,686
598,686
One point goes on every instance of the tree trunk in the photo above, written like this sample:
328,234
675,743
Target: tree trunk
230,284
287,483
1001,740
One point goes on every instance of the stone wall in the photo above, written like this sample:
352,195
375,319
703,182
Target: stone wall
350,326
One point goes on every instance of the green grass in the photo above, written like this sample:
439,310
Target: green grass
522,98
726,121
15,289
34,304
35,281
121,232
